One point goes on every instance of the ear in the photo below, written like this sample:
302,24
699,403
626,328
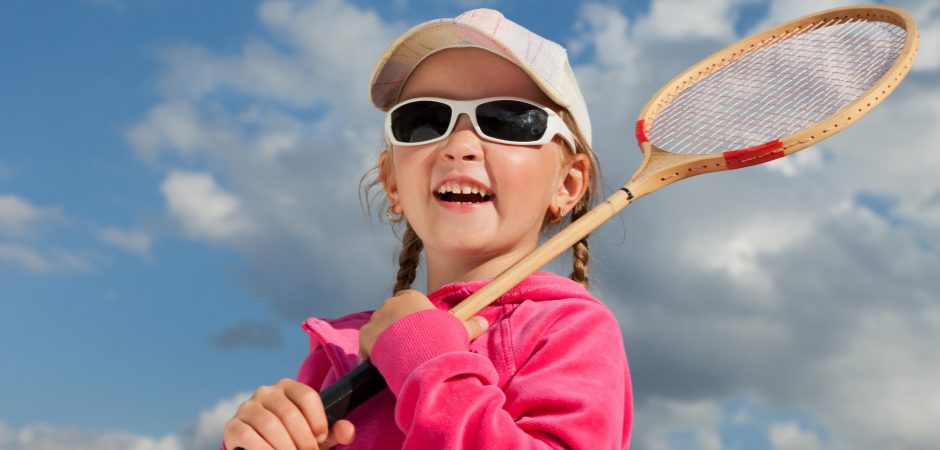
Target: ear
387,175
575,179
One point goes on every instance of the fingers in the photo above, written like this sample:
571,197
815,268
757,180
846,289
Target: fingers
265,423
286,416
238,434
343,432
282,401
310,406
476,325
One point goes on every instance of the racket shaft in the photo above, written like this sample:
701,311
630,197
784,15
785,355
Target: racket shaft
363,382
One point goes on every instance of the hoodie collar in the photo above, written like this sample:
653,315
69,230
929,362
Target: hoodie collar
538,286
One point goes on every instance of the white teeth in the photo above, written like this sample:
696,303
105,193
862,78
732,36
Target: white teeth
458,189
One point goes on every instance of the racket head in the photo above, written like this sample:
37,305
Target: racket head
774,93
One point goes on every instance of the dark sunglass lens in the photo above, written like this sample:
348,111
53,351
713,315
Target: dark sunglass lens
420,121
512,120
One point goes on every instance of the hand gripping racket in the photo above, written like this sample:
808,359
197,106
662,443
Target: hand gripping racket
765,97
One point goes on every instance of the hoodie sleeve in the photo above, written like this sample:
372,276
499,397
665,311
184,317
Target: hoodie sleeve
569,389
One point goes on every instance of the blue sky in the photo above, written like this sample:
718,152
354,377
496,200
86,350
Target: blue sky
178,191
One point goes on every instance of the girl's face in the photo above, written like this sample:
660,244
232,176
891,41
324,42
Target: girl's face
522,181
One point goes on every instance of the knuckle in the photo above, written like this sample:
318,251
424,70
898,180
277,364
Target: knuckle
269,423
264,391
239,431
230,427
291,415
244,408
310,398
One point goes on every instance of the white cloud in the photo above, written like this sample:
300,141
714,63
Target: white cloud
32,260
789,436
926,15
798,163
604,29
208,429
132,241
786,10
290,204
25,257
332,49
737,249
21,221
177,126
205,433
203,209
889,355
657,421
48,437
19,218
690,19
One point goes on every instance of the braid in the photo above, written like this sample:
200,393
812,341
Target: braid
580,256
408,259
580,259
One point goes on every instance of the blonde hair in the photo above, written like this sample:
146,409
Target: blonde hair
409,257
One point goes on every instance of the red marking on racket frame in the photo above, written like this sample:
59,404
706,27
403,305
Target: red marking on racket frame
752,156
641,132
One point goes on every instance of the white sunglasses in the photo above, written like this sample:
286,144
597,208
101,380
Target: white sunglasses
506,120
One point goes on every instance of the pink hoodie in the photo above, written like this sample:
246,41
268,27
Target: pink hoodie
550,372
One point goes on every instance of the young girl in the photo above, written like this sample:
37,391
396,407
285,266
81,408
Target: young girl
489,146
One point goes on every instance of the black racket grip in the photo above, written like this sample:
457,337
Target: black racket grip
357,386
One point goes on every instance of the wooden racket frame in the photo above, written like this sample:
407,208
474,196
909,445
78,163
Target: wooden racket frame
660,167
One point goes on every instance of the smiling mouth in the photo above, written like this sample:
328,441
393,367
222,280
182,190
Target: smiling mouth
463,194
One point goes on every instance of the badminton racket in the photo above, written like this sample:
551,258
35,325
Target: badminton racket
768,96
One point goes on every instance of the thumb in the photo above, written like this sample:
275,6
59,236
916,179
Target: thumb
343,432
476,325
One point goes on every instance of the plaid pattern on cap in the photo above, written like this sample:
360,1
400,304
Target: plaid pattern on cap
545,61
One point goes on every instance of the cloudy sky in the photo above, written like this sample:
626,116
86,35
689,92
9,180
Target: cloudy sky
178,191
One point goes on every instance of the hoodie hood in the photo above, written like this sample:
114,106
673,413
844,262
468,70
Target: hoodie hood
340,337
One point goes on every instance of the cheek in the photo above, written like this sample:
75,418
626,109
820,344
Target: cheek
410,173
530,176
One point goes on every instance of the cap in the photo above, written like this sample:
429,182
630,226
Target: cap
545,61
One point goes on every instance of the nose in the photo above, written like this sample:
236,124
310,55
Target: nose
463,144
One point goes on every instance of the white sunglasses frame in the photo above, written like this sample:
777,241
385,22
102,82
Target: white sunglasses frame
554,127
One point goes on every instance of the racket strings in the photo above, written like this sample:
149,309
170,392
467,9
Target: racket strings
810,43
780,123
697,101
780,86
784,119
